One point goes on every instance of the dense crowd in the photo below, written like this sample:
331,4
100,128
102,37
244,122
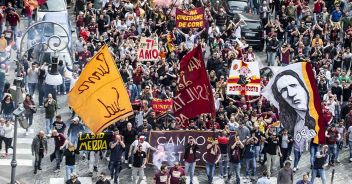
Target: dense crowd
317,32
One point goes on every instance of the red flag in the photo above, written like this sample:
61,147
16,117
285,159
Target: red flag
194,94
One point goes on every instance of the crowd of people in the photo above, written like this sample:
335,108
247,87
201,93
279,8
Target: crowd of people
317,32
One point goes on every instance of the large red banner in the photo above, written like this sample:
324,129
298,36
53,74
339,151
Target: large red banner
190,18
194,95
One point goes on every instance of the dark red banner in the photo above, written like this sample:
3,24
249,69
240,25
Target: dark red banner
171,145
190,18
161,106
194,95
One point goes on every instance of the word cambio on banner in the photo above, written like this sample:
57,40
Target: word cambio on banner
244,79
294,92
194,95
94,142
190,18
148,49
99,96
171,145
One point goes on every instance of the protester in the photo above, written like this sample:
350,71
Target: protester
73,180
39,149
50,106
7,107
264,179
8,135
102,179
70,159
320,163
305,180
30,109
60,143
138,165
163,176
285,175
59,125
177,174
190,158
212,157
235,159
117,147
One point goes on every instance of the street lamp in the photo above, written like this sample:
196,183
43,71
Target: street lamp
52,79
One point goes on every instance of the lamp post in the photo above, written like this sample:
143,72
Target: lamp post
19,111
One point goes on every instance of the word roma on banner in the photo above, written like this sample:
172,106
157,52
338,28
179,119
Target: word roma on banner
99,96
190,18
148,49
194,94
94,142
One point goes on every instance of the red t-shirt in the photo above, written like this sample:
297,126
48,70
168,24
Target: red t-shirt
176,174
13,19
161,178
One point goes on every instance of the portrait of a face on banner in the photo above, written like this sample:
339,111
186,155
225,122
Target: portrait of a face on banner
292,90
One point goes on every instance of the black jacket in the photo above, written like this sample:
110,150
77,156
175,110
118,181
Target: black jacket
194,147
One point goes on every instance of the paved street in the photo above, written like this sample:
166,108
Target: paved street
24,171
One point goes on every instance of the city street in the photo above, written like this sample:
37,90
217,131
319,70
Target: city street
24,170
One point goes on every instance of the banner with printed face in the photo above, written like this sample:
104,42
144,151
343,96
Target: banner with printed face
148,49
244,78
99,96
294,92
161,106
94,142
190,18
170,145
194,95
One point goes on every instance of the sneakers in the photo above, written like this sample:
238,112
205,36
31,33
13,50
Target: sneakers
126,161
35,172
350,159
95,169
295,169
290,158
26,133
57,170
338,161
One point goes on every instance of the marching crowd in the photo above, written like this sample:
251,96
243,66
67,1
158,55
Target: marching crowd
318,32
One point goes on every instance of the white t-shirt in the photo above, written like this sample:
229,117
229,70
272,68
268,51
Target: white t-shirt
145,146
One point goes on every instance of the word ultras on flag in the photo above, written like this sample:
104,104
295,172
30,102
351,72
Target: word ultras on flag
244,79
99,96
190,18
194,94
294,92
148,49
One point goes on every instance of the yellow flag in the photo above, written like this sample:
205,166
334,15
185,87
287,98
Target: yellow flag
99,96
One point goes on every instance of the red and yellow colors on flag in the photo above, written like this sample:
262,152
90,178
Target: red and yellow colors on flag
99,96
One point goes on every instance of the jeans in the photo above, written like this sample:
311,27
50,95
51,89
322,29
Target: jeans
271,159
251,163
284,152
41,93
62,87
31,88
8,142
115,168
14,29
332,153
29,119
93,160
73,139
137,171
189,169
271,58
321,173
258,152
223,164
313,151
48,124
69,169
58,155
235,167
350,145
297,155
338,146
210,169
37,161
